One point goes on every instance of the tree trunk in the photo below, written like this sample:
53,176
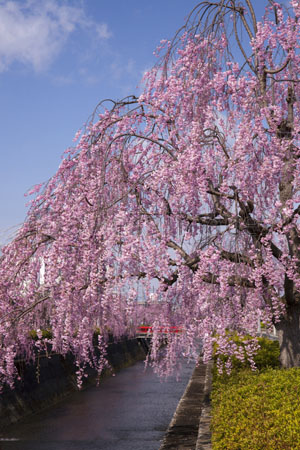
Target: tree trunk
288,330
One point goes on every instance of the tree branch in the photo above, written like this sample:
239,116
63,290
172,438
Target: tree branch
206,221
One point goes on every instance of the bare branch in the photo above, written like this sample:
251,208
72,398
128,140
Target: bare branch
145,138
279,69
252,15
30,308
240,44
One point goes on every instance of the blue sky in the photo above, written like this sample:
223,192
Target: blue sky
58,59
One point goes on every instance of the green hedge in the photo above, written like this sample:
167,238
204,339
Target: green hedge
267,355
45,334
257,410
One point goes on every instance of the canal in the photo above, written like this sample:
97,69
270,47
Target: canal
130,411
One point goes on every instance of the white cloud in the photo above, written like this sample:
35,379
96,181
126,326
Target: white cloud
33,32
103,31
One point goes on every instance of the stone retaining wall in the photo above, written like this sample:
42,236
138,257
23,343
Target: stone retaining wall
54,378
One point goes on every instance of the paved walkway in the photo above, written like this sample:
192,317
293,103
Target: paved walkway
189,428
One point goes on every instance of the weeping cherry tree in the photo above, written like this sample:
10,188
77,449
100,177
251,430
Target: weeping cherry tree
187,196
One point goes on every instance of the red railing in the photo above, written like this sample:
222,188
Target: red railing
145,329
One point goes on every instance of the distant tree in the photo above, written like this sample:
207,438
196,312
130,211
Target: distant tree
190,193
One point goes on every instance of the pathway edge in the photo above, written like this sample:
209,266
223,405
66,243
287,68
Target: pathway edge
204,432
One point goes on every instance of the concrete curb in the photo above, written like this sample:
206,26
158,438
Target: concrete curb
204,432
182,433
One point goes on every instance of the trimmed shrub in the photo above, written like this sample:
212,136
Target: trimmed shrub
267,355
257,410
45,334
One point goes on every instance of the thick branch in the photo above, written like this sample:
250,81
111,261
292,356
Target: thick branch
216,199
176,247
237,258
255,229
206,219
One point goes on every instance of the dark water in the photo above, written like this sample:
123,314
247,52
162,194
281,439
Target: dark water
130,411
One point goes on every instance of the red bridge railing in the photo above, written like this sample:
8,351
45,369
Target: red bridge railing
145,329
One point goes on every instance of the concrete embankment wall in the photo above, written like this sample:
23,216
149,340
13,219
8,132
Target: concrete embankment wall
54,378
